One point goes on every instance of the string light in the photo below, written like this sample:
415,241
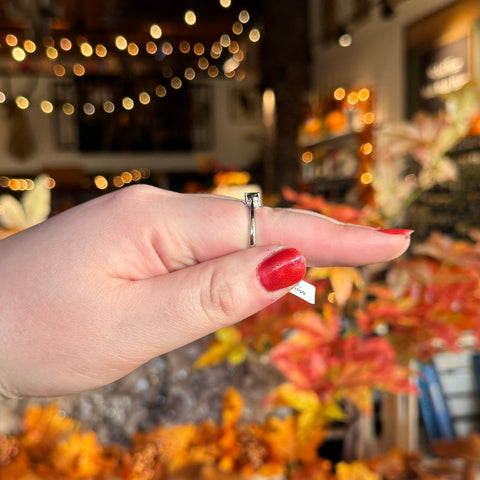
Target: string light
108,106
11,40
101,50
22,102
151,47
198,49
190,17
121,42
18,54
160,91
68,108
254,35
132,49
176,83
46,106
127,103
167,48
189,73
65,44
51,53
29,46
88,108
86,49
244,16
339,94
59,70
155,31
144,98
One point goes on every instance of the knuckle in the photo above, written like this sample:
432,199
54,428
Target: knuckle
218,299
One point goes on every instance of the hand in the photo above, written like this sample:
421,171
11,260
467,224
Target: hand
94,292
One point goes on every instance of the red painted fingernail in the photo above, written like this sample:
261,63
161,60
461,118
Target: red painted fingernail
283,269
396,231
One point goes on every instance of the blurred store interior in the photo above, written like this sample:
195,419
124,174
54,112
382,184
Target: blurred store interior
364,110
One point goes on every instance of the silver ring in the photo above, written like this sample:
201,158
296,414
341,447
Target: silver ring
252,200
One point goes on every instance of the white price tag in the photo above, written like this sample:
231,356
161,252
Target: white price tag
305,291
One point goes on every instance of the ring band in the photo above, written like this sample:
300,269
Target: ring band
252,200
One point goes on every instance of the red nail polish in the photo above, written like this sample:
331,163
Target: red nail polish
396,231
283,269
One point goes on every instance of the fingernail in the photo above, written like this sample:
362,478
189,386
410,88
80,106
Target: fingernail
283,269
396,231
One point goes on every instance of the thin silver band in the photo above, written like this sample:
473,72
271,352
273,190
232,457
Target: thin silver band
252,200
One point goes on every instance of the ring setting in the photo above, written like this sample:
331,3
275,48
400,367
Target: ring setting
252,200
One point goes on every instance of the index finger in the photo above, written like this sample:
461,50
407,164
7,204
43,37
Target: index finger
211,226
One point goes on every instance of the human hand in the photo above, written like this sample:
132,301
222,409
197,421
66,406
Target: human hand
94,292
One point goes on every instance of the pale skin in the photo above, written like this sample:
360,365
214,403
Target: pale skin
92,293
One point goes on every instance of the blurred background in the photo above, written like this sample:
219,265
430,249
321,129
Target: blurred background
364,110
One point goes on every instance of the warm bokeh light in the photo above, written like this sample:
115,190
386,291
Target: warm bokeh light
234,47
244,16
133,49
144,98
46,106
216,50
118,182
254,35
86,49
100,182
65,44
167,48
151,47
225,40
22,102
11,40
101,50
155,31
331,297
59,70
184,46
2,97
366,148
127,103
237,28
366,178
51,53
136,175
176,83
225,3
29,46
88,108
160,91
364,94
352,98
239,56
198,49
190,17
79,70
212,71
368,118
108,106
189,73
307,156
121,42
18,54
203,63
339,93
126,177
68,109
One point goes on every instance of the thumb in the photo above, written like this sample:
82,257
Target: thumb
187,304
